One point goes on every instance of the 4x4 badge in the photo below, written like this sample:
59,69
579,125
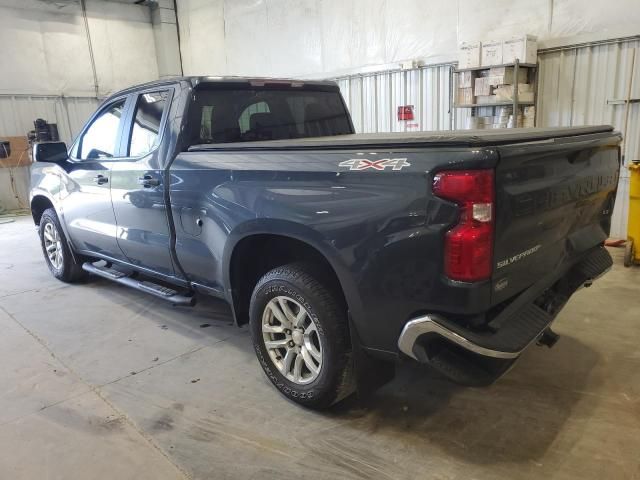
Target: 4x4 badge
382,164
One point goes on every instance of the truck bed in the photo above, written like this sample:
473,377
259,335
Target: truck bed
463,138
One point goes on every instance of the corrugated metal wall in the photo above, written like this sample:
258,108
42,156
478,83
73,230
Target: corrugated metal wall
17,113
575,84
373,99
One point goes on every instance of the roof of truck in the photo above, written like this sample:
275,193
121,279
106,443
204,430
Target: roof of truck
202,80
415,139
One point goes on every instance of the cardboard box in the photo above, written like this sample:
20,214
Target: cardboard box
465,79
469,55
482,86
486,99
504,75
465,96
524,48
20,153
504,93
491,53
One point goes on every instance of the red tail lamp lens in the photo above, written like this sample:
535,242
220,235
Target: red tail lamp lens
469,245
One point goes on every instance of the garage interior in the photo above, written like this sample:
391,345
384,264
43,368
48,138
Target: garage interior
104,382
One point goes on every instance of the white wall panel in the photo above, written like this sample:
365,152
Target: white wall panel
202,37
339,37
44,47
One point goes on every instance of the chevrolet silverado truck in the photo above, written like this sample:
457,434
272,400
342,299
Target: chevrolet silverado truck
342,252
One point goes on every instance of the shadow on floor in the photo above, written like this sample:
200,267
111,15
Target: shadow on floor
515,420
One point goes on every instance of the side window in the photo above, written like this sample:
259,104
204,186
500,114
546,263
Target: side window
205,123
244,121
101,139
145,130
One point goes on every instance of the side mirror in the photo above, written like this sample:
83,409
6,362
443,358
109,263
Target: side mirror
51,152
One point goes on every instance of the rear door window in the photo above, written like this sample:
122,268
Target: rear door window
147,119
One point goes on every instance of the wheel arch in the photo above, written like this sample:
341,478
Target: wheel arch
252,254
39,203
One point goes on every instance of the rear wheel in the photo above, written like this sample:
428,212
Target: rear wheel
300,335
57,253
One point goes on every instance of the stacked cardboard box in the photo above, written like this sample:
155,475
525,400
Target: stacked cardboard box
504,93
465,79
486,99
465,88
482,86
465,96
523,48
486,87
529,117
491,53
505,75
469,55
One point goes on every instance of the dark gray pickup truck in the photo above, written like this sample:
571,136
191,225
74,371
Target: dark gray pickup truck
342,251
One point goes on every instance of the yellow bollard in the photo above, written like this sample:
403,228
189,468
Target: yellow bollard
632,253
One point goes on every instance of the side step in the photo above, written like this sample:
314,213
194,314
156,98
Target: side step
146,286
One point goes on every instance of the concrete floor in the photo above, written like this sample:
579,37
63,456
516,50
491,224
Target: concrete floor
101,382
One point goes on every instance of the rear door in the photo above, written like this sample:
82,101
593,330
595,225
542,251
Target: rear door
554,201
137,184
87,209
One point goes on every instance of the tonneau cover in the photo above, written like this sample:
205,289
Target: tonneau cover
414,139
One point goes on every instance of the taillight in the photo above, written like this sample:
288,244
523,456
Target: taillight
469,245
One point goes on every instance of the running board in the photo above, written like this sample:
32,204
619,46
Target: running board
146,286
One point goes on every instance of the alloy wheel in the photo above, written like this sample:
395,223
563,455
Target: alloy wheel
291,338
53,245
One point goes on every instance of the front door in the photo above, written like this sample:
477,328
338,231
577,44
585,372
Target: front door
137,185
86,202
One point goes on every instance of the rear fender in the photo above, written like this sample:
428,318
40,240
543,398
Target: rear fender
303,234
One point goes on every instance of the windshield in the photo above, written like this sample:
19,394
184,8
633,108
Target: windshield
250,114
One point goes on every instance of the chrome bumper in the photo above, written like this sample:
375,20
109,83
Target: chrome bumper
523,322
429,324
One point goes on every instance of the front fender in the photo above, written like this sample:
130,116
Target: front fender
49,180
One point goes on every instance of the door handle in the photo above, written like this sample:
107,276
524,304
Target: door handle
148,181
100,179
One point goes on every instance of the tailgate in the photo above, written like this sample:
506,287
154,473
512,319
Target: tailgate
554,201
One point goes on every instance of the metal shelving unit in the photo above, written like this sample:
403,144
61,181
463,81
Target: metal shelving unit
532,78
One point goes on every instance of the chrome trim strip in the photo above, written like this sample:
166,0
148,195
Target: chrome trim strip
428,324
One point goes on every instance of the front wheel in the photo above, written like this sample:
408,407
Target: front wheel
300,335
56,250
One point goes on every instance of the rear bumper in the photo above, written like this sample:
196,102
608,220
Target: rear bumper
516,327
432,325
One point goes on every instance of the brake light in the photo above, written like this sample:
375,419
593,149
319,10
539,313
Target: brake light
469,245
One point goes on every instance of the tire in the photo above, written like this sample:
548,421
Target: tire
62,264
320,340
